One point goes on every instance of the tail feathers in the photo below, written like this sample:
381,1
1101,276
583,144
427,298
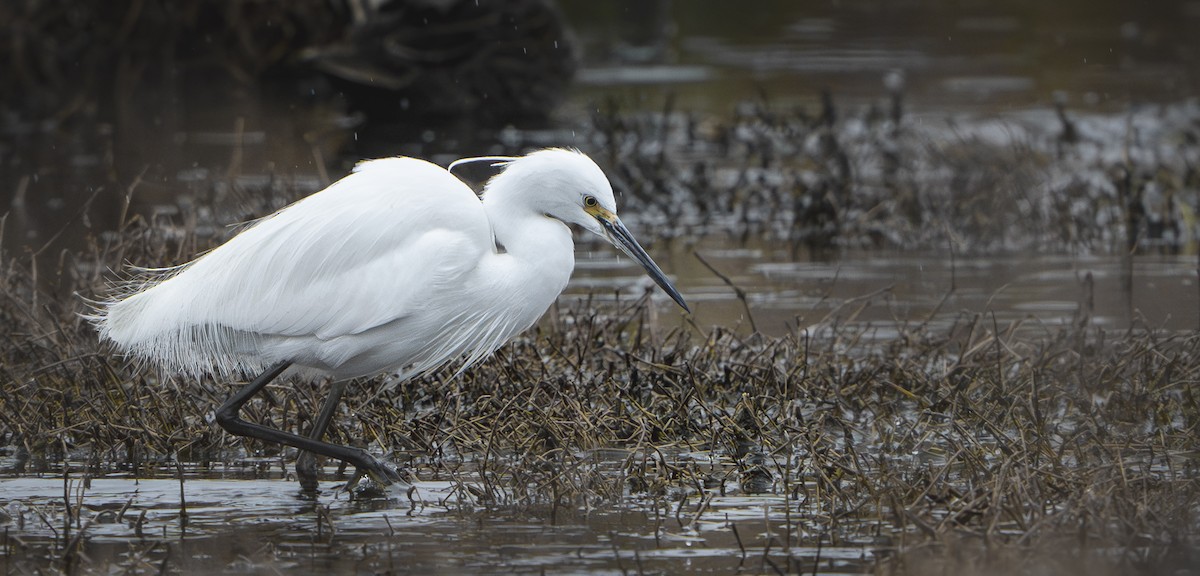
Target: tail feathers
143,325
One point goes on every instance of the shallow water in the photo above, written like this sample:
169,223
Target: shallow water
950,56
248,526
884,290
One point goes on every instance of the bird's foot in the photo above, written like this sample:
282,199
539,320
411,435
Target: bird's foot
363,487
374,479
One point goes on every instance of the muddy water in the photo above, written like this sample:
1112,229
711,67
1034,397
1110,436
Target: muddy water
960,56
244,526
883,291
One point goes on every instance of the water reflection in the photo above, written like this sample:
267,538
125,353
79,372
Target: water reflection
889,289
983,56
251,526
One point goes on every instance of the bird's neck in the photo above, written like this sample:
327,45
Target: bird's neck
526,233
535,253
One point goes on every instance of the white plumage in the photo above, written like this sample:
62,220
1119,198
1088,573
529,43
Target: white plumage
397,267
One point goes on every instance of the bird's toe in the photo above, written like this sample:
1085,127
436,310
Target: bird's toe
385,474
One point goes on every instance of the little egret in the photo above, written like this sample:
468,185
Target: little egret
399,267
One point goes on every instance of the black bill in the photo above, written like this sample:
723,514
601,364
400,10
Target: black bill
619,235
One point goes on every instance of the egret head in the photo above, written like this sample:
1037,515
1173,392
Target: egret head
570,187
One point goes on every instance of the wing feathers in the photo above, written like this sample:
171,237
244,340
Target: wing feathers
365,252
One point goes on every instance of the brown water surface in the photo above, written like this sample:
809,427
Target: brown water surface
884,290
245,526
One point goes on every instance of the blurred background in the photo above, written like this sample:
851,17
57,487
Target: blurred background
202,112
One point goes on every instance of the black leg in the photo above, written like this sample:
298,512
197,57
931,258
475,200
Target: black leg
306,462
227,418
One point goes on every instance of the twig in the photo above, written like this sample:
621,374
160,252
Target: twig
741,294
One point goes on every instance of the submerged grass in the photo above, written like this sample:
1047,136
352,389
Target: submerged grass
984,448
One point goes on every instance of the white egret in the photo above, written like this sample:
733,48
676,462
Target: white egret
398,267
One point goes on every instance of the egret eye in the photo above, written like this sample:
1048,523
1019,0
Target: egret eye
590,201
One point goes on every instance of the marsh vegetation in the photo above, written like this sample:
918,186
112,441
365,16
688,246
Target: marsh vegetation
924,341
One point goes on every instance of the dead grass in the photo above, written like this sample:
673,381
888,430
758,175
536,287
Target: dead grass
968,449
